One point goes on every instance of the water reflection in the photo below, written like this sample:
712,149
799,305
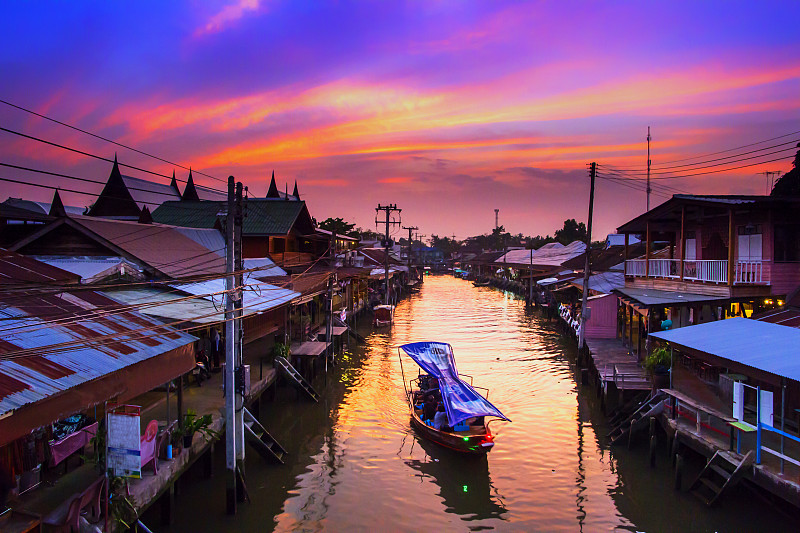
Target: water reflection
464,482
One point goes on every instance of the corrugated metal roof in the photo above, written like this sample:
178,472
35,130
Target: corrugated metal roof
26,326
760,345
148,193
266,267
17,269
211,239
604,282
258,296
653,297
264,216
90,269
164,248
169,305
551,254
41,207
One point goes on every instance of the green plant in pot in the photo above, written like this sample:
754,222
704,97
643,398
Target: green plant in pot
658,364
192,423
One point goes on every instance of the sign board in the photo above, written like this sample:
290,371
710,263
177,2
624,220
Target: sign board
738,400
766,408
123,454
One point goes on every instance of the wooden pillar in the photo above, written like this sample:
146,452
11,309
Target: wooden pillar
731,248
625,263
683,241
180,402
630,329
647,252
167,504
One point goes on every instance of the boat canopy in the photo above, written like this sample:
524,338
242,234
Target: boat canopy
460,400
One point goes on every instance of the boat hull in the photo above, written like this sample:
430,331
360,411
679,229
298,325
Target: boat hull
473,444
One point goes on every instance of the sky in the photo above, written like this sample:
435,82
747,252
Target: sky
448,109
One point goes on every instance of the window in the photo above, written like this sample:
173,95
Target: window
787,242
750,244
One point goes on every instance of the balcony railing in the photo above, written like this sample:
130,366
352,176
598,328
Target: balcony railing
706,270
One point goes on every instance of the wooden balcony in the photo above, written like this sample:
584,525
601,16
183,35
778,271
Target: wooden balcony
701,276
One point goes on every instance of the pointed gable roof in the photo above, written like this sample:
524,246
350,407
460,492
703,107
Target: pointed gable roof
57,207
145,217
115,199
295,193
190,192
174,182
273,189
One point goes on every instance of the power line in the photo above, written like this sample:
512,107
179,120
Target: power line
75,150
104,138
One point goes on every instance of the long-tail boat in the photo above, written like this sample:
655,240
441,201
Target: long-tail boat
468,412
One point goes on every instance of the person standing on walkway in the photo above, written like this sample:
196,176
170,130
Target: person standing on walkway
215,348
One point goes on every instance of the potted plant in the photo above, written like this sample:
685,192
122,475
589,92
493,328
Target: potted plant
192,423
280,350
657,364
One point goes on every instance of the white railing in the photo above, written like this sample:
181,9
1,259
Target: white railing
635,267
749,272
712,270
708,270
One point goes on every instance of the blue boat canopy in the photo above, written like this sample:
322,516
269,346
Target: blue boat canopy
460,400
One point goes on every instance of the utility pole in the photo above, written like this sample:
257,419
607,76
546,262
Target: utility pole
410,241
331,281
648,168
231,480
239,389
530,282
388,209
587,266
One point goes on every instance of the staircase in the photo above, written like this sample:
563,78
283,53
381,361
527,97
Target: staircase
295,377
620,414
261,440
721,472
652,406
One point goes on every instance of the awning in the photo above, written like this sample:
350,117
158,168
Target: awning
461,401
656,298
771,348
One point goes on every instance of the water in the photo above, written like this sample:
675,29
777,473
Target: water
355,464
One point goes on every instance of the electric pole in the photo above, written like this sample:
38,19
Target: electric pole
410,241
238,265
389,221
587,266
648,168
231,480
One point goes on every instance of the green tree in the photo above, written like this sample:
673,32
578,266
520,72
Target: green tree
572,231
338,226
789,183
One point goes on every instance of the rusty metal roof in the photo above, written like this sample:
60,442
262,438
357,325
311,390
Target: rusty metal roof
93,342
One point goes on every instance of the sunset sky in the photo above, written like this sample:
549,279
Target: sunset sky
448,109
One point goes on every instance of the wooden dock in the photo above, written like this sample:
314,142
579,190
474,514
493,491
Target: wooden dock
614,364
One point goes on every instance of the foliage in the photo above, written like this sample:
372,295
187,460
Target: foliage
197,424
339,226
367,235
120,507
658,357
572,231
789,183
447,245
281,350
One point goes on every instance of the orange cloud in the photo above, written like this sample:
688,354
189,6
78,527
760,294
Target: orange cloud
396,179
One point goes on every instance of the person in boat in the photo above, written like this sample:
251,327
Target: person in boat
440,420
429,408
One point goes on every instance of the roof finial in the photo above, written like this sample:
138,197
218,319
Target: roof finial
273,188
296,194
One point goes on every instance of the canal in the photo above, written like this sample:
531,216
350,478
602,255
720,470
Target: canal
355,464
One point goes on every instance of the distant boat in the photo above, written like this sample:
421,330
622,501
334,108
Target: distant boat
467,428
383,315
484,283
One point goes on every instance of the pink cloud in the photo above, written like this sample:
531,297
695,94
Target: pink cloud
227,16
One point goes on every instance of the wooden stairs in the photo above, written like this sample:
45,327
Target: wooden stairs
638,420
295,377
260,439
721,472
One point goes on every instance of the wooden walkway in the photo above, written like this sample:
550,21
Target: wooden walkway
615,365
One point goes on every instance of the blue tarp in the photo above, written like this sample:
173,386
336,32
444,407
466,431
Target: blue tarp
460,400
